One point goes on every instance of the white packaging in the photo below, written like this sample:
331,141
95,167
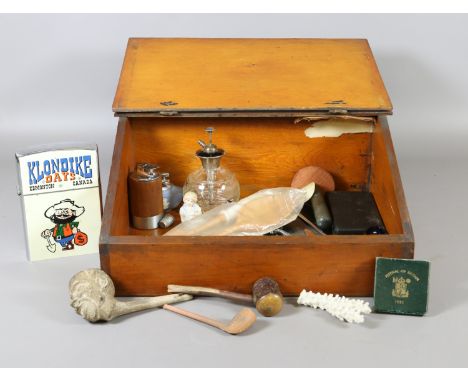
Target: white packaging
60,192
255,215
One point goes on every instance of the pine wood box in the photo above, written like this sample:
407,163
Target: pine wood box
252,91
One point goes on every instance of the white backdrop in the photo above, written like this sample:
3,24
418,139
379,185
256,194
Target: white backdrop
58,74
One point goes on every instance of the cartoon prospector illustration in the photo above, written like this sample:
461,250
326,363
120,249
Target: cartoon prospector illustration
66,231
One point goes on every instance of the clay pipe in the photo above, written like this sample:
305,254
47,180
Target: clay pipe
240,323
92,296
266,295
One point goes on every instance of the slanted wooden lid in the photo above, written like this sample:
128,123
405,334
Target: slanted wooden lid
250,75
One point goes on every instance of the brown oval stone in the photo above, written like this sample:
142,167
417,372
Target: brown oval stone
269,305
318,175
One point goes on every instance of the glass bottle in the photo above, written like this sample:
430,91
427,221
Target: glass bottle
213,184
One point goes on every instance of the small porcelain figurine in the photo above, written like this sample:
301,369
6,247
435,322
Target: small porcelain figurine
190,208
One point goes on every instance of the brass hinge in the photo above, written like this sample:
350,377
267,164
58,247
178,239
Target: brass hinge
168,112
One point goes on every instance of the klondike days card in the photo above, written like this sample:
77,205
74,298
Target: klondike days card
60,191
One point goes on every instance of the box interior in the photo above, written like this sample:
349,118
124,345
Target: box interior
262,152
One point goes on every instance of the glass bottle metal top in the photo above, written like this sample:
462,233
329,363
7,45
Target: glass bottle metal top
210,155
213,184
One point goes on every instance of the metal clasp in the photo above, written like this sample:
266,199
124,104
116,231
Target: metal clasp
338,111
168,113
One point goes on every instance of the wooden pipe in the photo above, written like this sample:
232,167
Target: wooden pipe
239,324
266,295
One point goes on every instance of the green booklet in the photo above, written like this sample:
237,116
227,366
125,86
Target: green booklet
401,286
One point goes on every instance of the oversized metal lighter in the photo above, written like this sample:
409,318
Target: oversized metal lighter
60,192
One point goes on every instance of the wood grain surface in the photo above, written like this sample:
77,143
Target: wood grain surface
251,91
262,152
385,182
250,74
143,264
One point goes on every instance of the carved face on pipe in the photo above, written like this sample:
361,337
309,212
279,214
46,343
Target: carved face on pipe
92,295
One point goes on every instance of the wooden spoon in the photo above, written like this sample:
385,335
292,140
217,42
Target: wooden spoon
240,323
